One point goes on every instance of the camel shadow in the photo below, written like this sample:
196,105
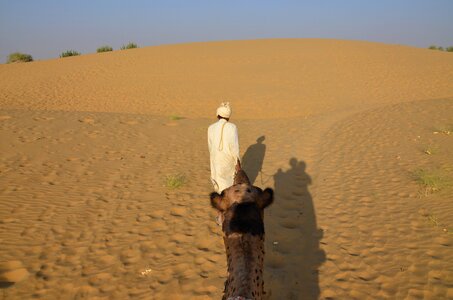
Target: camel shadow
295,255
253,158
4,285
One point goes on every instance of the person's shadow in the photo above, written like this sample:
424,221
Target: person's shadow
295,257
253,158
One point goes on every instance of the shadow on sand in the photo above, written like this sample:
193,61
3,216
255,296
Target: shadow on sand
294,223
253,158
4,285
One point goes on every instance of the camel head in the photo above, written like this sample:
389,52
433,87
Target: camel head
242,205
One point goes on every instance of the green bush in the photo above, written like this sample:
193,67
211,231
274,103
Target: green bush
129,46
434,47
18,57
68,53
104,49
432,180
176,118
175,181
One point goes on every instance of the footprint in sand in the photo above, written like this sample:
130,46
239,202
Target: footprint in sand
204,244
87,120
143,218
72,159
12,272
165,276
86,292
100,279
179,251
290,224
43,118
159,226
148,247
179,238
178,211
4,117
93,134
129,122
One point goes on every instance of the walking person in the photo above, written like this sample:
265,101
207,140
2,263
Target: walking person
223,143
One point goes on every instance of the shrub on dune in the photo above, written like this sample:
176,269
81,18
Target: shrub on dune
18,57
68,53
449,49
432,180
176,118
104,49
434,47
175,181
129,46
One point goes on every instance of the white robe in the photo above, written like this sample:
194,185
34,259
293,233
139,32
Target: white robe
224,153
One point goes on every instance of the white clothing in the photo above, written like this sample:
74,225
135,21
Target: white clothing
224,153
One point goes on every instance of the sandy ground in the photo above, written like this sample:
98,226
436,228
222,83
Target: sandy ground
338,128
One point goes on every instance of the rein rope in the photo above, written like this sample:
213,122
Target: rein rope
221,137
268,177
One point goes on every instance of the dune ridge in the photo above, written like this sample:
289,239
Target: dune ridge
308,75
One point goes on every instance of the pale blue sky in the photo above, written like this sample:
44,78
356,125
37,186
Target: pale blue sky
45,28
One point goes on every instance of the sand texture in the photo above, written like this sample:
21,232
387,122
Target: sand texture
342,130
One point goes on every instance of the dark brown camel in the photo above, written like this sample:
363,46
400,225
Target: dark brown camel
242,206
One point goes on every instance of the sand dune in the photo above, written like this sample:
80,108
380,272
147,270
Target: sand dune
303,76
337,128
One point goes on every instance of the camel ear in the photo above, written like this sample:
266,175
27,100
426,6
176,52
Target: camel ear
240,177
238,165
266,198
218,202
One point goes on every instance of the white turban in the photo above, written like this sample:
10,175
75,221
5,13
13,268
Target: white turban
224,110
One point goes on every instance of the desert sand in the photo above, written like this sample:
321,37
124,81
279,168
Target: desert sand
339,129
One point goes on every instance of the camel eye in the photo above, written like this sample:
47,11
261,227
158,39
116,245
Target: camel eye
249,190
236,190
